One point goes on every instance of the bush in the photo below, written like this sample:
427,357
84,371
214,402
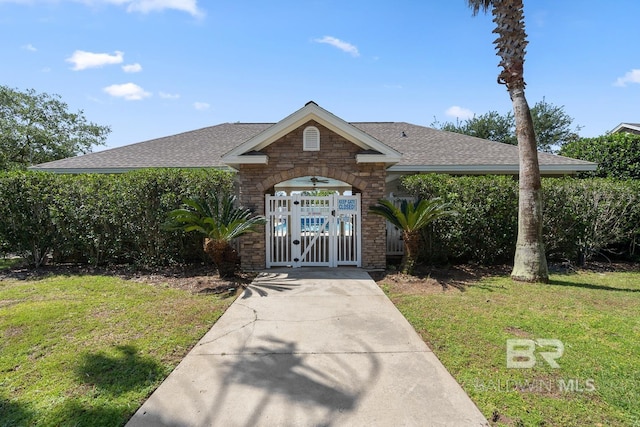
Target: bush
486,225
582,218
100,218
617,154
589,217
27,228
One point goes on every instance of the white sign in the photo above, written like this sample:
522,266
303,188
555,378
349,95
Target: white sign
346,204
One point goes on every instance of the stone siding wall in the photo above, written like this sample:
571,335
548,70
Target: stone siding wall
337,160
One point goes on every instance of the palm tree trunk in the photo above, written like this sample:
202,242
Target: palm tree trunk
530,264
411,248
223,256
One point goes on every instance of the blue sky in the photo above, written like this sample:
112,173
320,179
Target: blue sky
152,68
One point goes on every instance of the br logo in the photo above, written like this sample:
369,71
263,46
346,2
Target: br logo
521,353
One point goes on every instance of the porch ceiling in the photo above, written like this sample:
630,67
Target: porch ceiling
309,183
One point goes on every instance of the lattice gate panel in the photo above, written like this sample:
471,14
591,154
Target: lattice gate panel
279,231
315,223
313,230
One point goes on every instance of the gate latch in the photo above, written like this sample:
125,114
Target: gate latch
296,242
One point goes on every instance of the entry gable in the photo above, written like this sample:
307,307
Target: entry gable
374,151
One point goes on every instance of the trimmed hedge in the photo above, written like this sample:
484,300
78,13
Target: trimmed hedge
100,218
108,219
582,218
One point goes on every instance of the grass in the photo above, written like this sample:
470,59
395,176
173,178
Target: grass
596,316
88,350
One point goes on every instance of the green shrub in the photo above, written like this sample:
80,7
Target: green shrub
486,225
582,218
588,217
27,228
617,154
101,218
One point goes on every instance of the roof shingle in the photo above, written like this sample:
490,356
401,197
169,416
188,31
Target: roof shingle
203,148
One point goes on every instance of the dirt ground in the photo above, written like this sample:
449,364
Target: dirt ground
204,278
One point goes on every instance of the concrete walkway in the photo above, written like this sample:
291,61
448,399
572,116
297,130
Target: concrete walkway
310,347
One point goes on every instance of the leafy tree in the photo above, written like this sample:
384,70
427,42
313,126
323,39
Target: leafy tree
220,221
530,263
37,128
411,217
492,126
617,154
552,126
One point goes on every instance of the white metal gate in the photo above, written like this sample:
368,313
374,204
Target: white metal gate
313,230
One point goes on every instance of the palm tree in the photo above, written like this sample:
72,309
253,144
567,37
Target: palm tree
411,217
530,264
220,221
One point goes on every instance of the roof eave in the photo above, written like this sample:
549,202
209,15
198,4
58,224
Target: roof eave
253,159
114,170
378,158
492,169
622,126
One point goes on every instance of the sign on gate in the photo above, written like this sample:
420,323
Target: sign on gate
313,230
347,205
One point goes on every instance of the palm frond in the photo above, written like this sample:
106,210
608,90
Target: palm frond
216,218
477,5
412,216
390,212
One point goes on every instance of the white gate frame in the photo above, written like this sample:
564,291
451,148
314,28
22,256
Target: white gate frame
313,231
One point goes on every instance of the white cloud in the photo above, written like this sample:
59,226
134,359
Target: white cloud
459,112
30,48
165,95
146,6
82,60
201,106
128,91
632,76
132,68
342,45
142,6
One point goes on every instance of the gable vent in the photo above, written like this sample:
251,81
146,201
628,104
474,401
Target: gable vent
311,139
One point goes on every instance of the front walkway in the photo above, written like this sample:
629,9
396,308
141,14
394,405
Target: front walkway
310,347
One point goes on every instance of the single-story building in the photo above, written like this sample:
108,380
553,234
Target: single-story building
314,149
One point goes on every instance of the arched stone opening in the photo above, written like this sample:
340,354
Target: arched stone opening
355,183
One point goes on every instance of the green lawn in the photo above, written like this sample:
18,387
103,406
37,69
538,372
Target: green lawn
88,350
596,316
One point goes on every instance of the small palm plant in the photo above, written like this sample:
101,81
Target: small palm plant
411,217
220,221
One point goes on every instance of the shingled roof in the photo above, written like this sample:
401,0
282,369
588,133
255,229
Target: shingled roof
423,149
627,127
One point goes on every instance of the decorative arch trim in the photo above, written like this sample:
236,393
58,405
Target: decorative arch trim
326,171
